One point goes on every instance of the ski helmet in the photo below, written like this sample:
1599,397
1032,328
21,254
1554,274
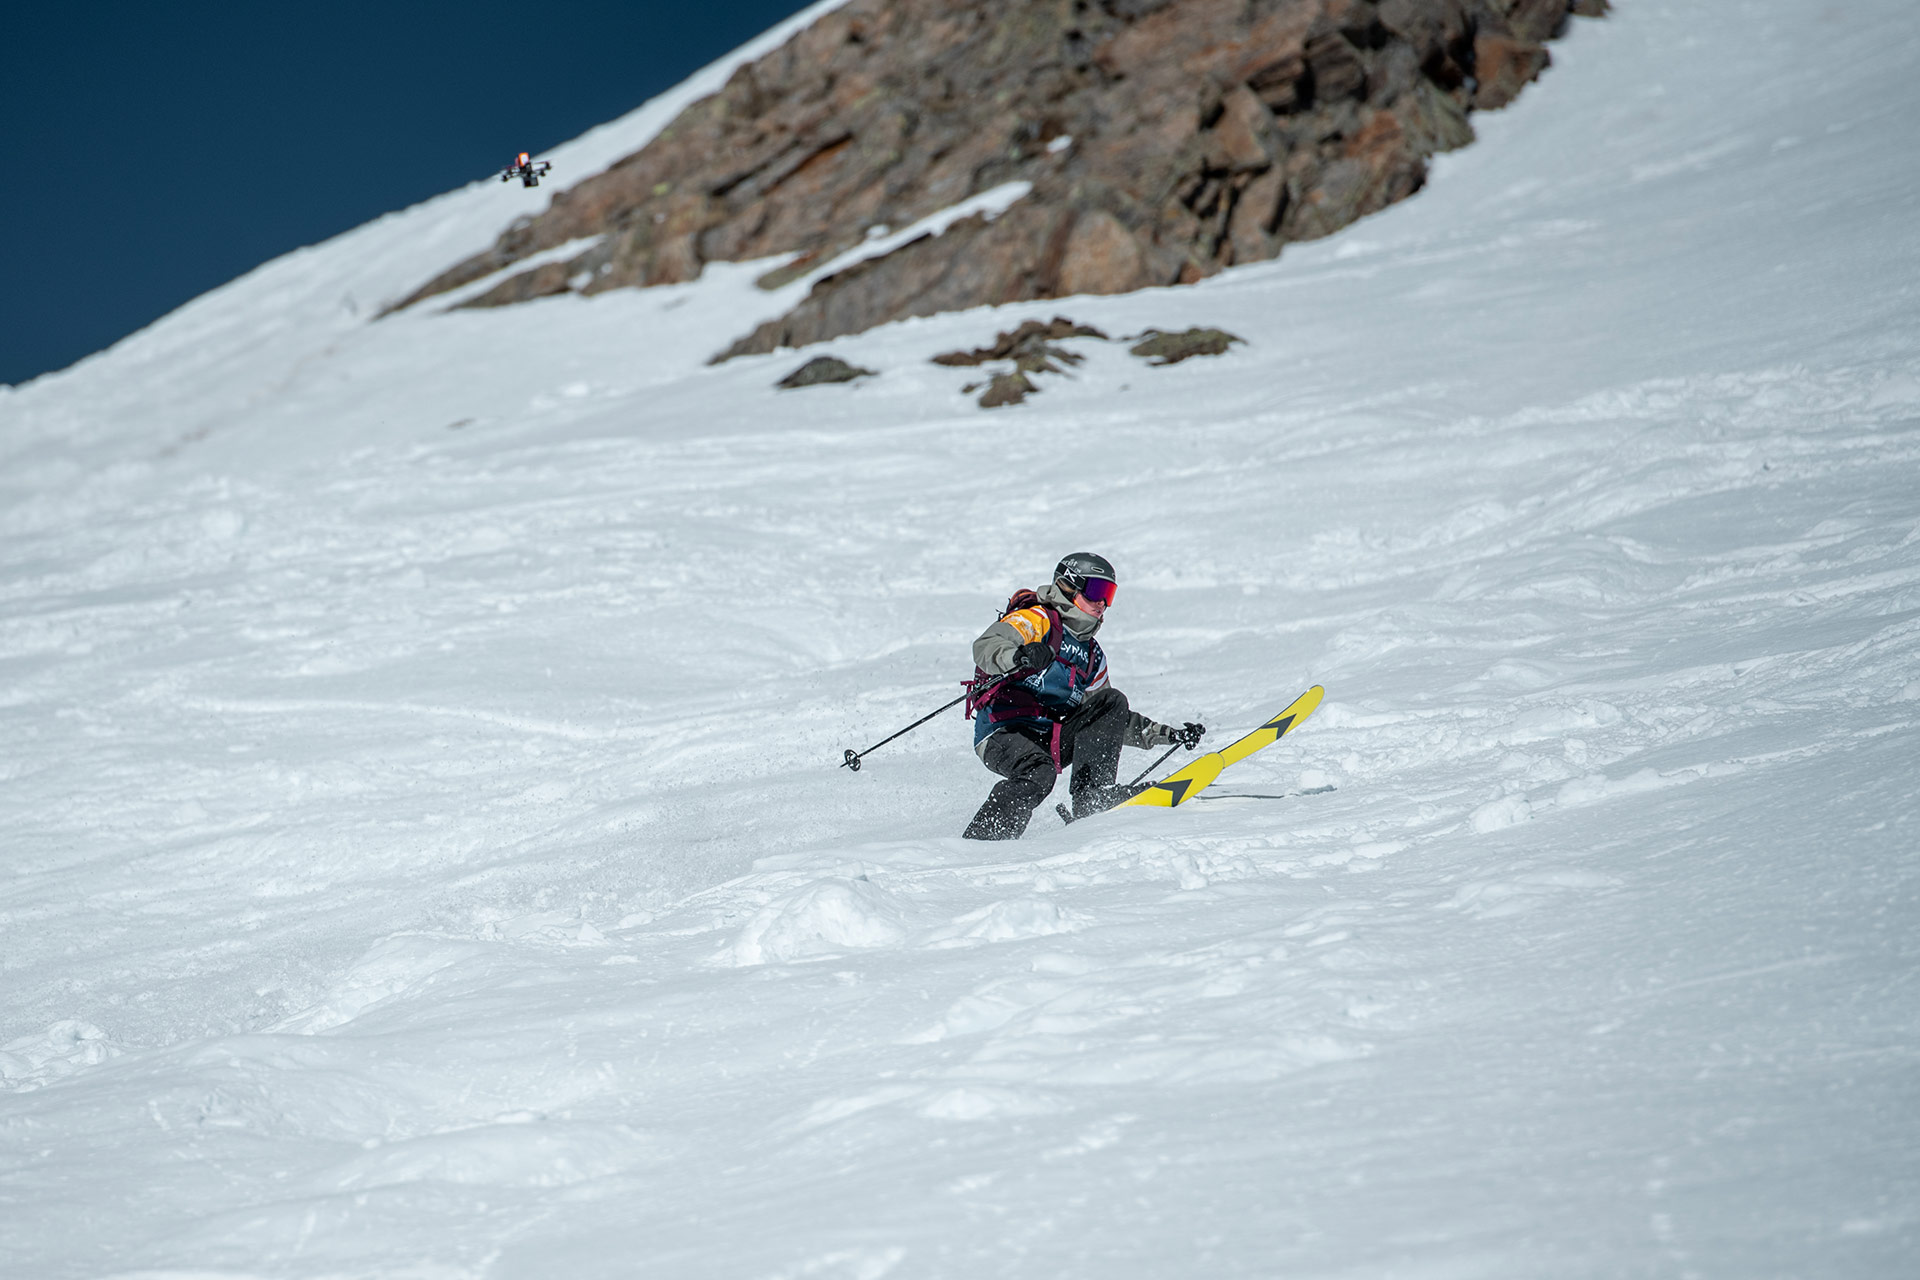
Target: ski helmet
1073,573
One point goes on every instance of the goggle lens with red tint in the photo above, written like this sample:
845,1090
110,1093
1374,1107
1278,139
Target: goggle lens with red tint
1100,590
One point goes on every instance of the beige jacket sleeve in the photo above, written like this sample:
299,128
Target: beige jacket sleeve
993,651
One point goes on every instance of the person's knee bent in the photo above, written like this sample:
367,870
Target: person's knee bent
1019,759
1034,771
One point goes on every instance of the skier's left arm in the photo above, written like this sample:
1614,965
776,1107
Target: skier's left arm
1142,732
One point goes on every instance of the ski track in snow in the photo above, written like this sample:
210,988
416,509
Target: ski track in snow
425,857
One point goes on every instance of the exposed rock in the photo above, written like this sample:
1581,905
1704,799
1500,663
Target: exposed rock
1101,256
1506,66
1005,389
1244,135
1030,344
1205,133
787,272
823,369
541,282
1171,348
1256,217
1031,349
1534,19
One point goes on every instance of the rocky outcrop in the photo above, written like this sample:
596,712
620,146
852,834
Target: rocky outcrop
1164,140
1030,347
1157,347
1003,389
820,371
1031,350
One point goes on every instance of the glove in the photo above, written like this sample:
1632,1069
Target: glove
1032,656
1166,735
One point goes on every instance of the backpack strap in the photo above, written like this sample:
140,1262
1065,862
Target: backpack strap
1021,600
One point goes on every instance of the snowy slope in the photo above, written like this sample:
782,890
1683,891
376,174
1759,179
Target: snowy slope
424,856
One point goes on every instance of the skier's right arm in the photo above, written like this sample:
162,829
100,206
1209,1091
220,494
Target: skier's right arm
997,650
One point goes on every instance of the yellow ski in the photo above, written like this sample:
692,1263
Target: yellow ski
1197,775
1177,786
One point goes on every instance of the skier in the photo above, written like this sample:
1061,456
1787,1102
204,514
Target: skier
1058,709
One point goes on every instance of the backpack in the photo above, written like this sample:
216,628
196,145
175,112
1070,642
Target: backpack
977,688
1024,598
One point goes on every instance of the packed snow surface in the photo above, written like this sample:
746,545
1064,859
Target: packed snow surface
425,856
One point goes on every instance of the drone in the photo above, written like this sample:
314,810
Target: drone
525,169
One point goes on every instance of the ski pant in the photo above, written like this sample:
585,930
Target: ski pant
1089,741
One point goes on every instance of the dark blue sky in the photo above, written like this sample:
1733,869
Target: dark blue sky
157,151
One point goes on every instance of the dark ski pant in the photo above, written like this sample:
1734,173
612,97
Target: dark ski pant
1089,741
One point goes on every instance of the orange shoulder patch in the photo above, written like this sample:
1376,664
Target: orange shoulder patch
1030,623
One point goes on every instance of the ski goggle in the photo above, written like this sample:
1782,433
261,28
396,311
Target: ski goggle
1100,590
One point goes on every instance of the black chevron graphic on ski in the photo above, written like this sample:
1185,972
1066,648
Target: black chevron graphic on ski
1179,789
1192,780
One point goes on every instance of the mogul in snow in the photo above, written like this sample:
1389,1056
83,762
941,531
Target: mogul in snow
1054,707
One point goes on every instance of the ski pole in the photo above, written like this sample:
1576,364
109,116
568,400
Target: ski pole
1157,763
1066,814
852,760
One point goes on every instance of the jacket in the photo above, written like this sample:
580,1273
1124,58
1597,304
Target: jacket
1038,701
